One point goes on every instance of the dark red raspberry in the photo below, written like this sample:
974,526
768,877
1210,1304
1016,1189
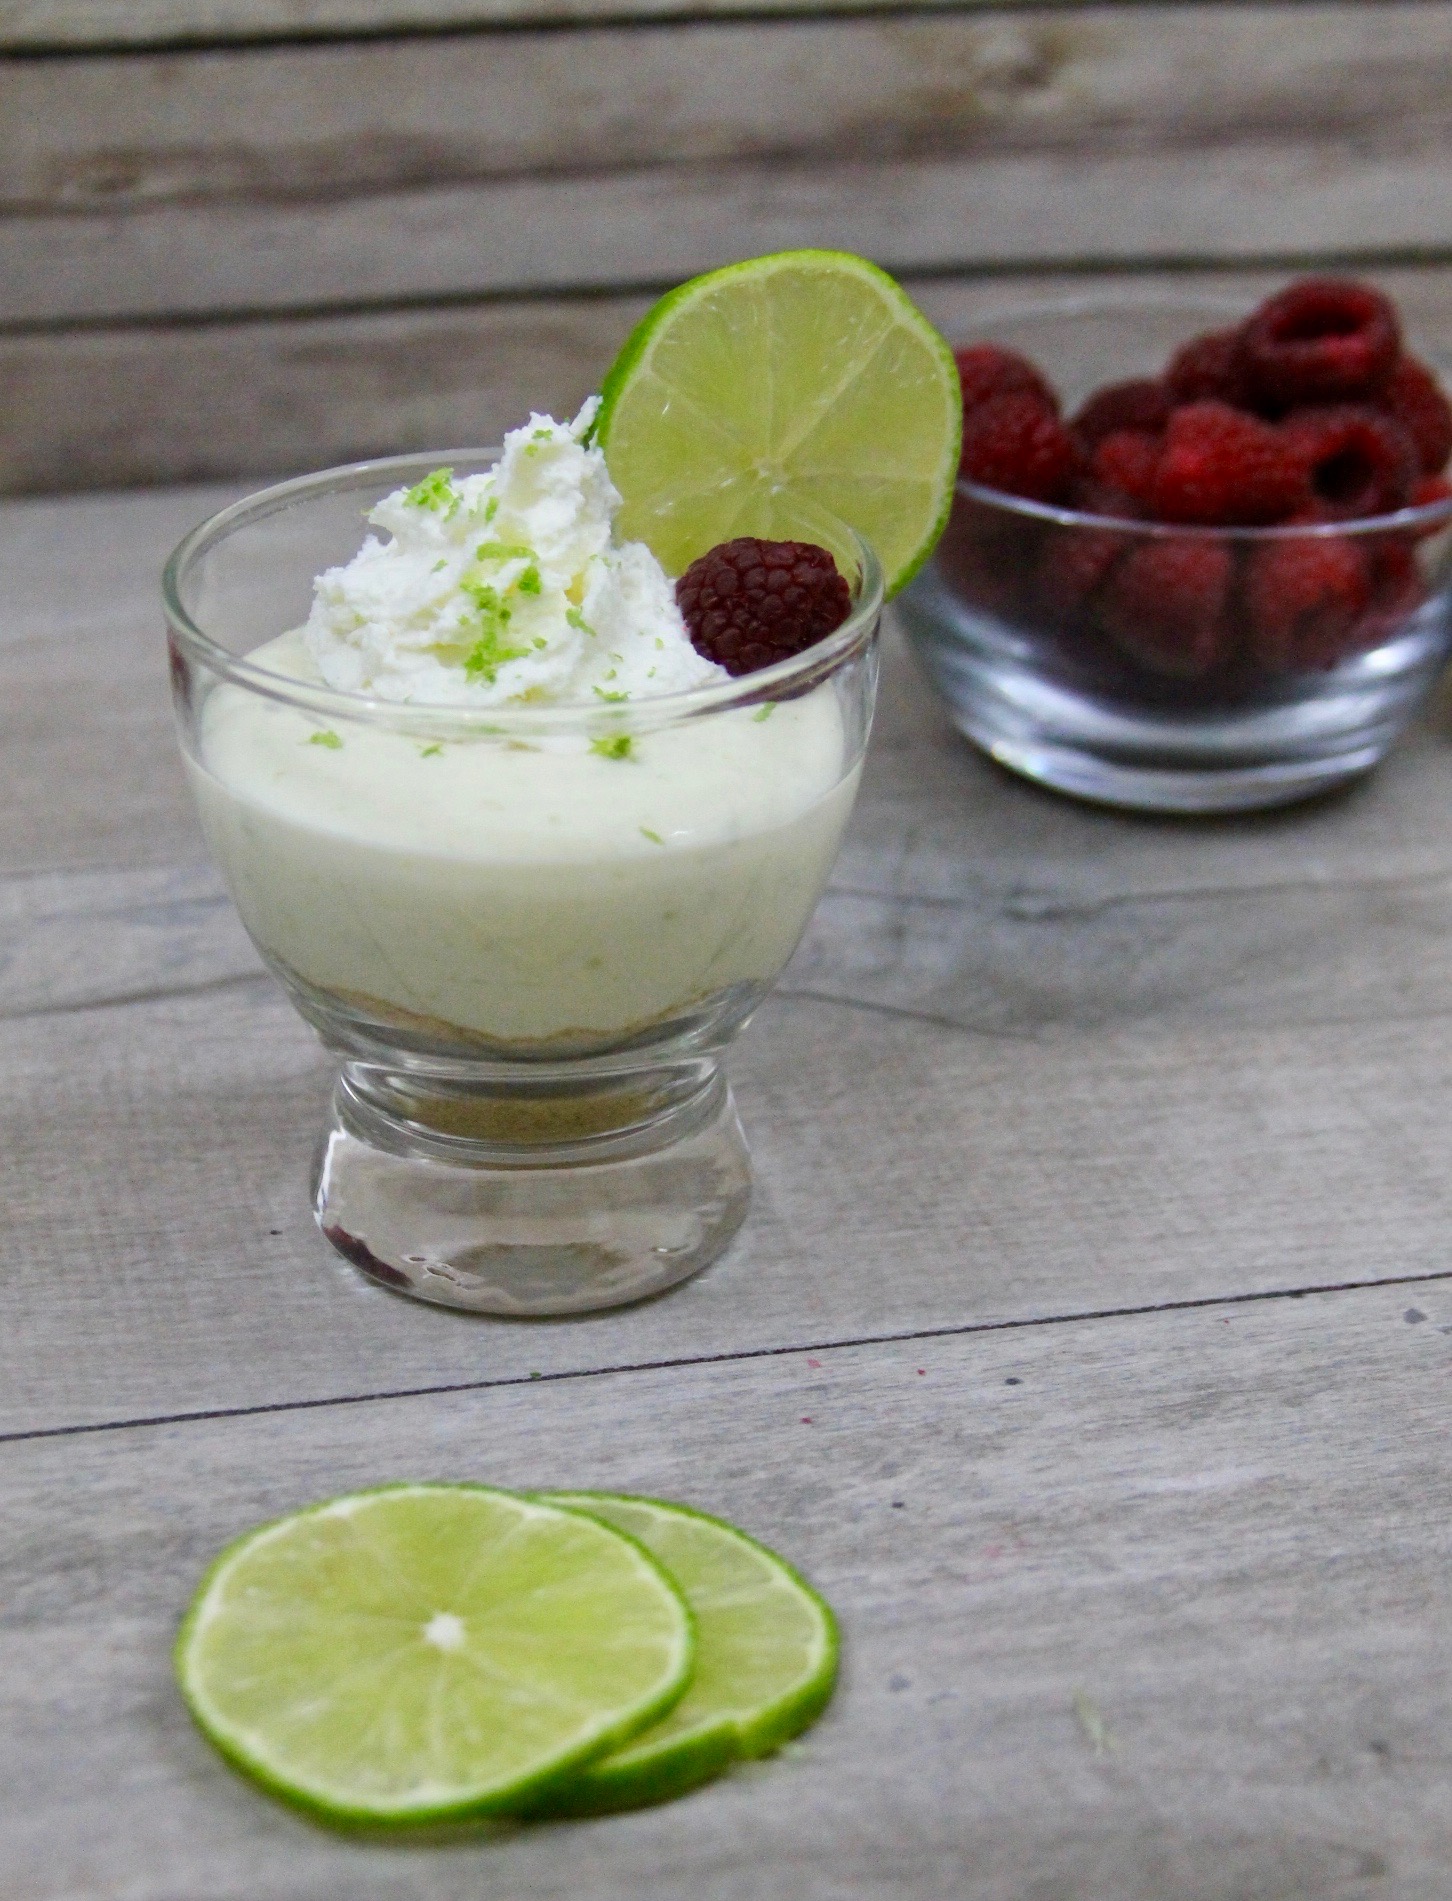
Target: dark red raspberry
1398,587
1165,604
1073,565
1430,490
1016,444
1207,370
985,370
1322,340
1128,461
1090,496
988,554
1357,461
1226,469
1141,404
1413,397
1304,596
748,603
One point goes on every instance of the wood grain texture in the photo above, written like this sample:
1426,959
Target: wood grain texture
217,262
90,768
1147,1609
73,940
74,25
169,403
658,224
161,1259
357,118
164,403
962,897
1032,1059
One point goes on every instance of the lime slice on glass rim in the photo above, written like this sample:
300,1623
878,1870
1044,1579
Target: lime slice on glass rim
753,398
423,1653
766,1658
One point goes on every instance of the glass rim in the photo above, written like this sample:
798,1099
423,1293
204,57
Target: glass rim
1154,298
783,679
1103,303
1428,515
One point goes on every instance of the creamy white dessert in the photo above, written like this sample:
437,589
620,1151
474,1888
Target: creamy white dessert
583,885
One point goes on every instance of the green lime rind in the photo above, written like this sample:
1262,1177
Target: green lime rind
759,396
423,1653
766,1658
660,1775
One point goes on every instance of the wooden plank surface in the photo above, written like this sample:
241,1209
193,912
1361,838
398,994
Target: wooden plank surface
278,180
1212,1042
160,1258
163,402
1139,1606
47,26
90,772
174,402
356,118
1150,1609
656,225
270,257
1140,1546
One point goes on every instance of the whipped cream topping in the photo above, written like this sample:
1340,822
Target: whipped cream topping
506,587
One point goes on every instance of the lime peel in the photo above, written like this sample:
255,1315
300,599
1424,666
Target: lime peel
766,1658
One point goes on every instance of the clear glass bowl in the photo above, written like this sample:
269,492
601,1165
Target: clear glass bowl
1039,662
531,1008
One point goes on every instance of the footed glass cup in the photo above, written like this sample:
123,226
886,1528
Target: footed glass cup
529,933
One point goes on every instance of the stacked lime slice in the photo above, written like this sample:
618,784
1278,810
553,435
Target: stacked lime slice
425,1653
765,1663
769,396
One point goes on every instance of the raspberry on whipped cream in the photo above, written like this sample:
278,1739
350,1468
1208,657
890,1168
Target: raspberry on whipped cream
506,587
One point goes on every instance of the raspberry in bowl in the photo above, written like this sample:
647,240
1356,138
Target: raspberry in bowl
1198,558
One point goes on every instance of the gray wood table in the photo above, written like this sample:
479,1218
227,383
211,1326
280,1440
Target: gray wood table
1090,1342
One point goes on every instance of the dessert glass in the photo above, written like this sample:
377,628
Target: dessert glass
1033,680
532,1116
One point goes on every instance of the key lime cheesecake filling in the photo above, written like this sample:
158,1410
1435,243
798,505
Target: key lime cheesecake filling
550,891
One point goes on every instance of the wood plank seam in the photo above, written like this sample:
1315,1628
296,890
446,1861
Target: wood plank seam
25,34
968,273
1259,1296
918,216
356,119
993,1033
805,993
35,932
207,987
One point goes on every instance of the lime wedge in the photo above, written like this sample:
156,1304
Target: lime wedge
424,1652
766,1657
752,399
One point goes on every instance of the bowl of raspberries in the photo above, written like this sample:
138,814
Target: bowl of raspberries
1198,559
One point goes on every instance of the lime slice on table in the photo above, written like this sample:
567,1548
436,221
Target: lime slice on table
751,398
424,1652
766,1658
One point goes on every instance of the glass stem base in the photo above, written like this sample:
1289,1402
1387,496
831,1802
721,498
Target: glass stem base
531,1201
